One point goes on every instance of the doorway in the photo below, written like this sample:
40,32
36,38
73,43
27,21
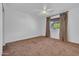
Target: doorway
56,26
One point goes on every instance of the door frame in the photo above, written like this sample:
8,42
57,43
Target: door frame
63,30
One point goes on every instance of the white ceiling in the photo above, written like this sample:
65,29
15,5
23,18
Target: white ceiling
34,7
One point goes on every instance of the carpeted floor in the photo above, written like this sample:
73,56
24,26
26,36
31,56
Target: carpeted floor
41,46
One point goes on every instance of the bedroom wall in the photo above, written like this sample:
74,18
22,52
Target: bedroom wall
0,29
19,25
73,25
43,26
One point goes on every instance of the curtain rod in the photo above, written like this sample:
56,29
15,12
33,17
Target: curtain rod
58,14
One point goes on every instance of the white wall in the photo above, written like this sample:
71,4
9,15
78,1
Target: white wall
0,28
18,25
73,25
43,26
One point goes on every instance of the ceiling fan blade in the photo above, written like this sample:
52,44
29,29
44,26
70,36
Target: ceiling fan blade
50,10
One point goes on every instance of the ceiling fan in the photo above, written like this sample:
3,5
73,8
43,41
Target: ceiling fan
45,11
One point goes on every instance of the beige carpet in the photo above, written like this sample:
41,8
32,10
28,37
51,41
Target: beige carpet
41,46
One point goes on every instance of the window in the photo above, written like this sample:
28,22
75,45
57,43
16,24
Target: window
56,25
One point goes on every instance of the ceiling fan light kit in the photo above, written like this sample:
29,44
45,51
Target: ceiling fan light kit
44,12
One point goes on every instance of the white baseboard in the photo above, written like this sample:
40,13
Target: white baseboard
20,39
